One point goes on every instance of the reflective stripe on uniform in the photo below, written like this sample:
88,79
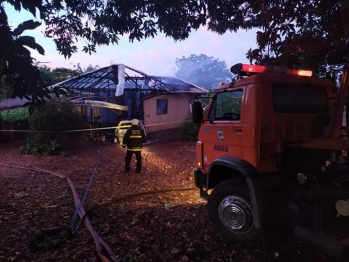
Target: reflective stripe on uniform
135,136
134,149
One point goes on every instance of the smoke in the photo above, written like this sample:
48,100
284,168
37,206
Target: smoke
201,70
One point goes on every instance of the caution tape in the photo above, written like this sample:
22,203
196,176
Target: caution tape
169,123
85,129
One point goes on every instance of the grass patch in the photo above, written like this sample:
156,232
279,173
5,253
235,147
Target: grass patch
14,114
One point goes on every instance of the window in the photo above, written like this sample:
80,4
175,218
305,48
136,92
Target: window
161,106
299,98
227,106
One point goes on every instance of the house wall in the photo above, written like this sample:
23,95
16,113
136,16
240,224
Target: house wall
177,110
88,113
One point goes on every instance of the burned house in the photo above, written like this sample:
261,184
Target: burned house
119,92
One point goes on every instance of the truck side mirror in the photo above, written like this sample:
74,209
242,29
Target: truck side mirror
198,116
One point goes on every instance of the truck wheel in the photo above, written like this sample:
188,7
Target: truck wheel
230,212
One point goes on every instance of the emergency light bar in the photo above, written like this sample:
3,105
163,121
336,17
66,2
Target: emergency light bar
247,70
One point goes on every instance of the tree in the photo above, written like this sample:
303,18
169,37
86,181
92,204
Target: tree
16,69
60,74
58,116
88,69
316,26
299,34
202,70
46,75
53,76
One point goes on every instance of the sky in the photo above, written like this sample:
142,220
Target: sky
154,56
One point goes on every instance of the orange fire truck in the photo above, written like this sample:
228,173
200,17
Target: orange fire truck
272,146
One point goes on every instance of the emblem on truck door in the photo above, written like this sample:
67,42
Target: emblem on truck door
220,136
207,130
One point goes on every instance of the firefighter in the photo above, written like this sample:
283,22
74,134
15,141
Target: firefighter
134,139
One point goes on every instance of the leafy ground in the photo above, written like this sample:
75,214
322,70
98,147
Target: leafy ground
160,227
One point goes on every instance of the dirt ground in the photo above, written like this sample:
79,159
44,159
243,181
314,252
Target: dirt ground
160,227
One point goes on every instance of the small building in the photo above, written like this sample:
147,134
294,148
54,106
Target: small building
14,115
119,92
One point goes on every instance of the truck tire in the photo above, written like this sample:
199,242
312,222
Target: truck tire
230,212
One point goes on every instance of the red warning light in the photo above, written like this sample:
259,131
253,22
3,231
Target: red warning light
247,70
253,69
244,69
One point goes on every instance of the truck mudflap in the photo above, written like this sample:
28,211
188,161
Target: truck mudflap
328,245
200,180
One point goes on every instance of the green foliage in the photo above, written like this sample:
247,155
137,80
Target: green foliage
46,75
90,68
64,154
56,75
17,71
58,115
14,114
301,35
35,146
60,74
317,27
5,90
202,70
189,131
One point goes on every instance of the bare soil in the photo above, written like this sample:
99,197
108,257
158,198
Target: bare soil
171,226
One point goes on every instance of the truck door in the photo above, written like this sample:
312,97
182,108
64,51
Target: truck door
223,127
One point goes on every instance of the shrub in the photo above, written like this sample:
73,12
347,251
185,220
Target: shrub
189,131
14,114
58,115
35,147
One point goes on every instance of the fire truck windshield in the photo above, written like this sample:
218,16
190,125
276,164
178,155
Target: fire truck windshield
227,106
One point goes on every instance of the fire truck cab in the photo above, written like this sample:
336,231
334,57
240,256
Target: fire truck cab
271,147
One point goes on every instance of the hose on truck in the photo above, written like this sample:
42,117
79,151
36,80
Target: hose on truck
51,239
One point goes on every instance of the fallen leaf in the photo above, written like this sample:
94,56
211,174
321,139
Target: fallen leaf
174,251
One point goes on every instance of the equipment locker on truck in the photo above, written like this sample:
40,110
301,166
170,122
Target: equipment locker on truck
271,146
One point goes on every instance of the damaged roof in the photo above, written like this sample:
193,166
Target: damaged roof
106,79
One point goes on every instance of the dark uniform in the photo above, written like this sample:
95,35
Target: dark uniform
134,139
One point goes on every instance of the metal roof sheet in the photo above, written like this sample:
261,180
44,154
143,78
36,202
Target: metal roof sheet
106,79
6,104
